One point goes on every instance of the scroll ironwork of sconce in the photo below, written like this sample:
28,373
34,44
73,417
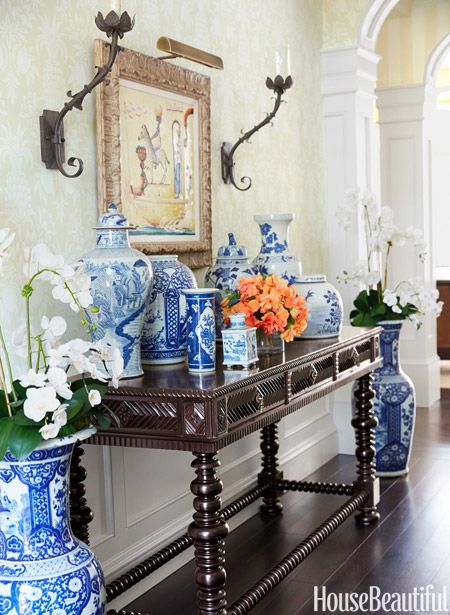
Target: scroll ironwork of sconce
279,87
51,122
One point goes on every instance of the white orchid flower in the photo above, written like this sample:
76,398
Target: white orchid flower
53,329
116,367
41,257
94,397
390,298
57,378
39,402
49,431
60,415
33,379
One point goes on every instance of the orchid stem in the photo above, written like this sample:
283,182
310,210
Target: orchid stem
3,383
8,364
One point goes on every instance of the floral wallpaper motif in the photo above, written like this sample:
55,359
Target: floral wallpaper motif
46,48
341,21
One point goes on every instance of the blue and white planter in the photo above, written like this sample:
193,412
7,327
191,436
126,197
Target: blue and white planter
274,256
44,569
201,343
231,264
121,281
164,337
394,406
239,343
325,307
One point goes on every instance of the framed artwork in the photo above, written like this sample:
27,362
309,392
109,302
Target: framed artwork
154,152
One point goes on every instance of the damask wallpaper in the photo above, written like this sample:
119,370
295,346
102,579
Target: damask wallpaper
341,21
46,48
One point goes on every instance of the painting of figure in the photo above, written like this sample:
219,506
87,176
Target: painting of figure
159,162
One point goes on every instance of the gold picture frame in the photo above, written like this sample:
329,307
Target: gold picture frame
154,153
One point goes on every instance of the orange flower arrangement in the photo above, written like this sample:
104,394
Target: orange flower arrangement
270,304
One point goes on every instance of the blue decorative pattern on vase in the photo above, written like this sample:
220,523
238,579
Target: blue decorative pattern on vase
325,308
121,281
164,338
274,256
239,343
201,342
394,406
43,568
231,264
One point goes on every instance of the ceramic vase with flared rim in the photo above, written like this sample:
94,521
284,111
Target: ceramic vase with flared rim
394,406
121,279
268,344
325,307
43,567
274,256
201,329
164,335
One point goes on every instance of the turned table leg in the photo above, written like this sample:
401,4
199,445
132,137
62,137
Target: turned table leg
208,531
80,513
269,475
364,423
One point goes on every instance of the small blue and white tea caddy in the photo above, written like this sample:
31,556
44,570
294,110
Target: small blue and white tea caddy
121,279
239,343
325,308
201,329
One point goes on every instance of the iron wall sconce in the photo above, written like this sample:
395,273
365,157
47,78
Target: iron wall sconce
51,122
279,86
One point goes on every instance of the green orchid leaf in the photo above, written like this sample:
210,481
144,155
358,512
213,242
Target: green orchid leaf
23,440
20,390
6,424
21,419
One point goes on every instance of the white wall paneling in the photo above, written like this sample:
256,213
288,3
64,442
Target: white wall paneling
405,186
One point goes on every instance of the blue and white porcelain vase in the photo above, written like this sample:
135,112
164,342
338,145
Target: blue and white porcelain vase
325,307
394,406
44,569
239,343
121,281
201,327
274,256
231,264
164,338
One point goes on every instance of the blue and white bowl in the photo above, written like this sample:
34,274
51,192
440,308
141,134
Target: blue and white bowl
325,308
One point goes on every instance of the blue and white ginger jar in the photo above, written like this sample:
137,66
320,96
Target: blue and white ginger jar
239,343
201,329
325,307
231,264
164,338
274,256
44,569
394,406
121,281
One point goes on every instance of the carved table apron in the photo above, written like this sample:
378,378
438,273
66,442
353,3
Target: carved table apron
170,408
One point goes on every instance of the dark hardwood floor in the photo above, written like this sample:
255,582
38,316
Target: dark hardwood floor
410,546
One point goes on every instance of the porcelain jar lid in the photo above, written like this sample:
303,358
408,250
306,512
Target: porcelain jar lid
237,320
232,250
311,279
113,219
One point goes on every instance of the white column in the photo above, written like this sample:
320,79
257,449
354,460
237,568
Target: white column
405,186
351,161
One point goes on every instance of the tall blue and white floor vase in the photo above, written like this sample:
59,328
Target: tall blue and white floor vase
44,569
164,337
394,406
201,327
121,281
274,256
325,308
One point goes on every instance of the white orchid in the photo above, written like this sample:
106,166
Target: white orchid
57,379
60,415
33,379
94,397
49,431
39,402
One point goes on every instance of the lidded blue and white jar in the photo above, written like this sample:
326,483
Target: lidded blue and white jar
325,307
274,256
121,279
231,264
239,343
164,338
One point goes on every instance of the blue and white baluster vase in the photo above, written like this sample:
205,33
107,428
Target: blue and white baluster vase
121,281
325,307
201,327
43,568
164,338
274,256
394,406
231,264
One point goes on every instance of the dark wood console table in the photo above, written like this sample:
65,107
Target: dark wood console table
169,408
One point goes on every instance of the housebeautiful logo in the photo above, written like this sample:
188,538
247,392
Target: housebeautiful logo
424,599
